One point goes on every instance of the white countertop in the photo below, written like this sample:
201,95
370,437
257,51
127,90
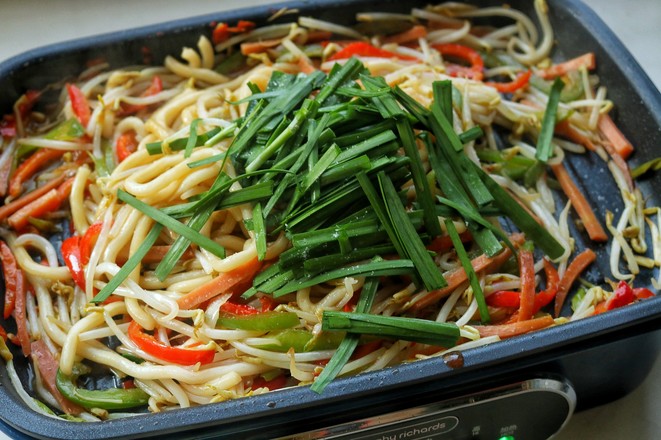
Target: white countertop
27,24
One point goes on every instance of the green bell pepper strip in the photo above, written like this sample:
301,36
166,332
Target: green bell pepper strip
259,321
113,398
302,341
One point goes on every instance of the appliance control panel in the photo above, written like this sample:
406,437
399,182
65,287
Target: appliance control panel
534,409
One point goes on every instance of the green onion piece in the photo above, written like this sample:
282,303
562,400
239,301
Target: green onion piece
350,341
308,110
225,133
347,72
172,224
544,147
260,231
256,192
201,213
422,189
411,105
470,215
380,211
533,230
443,96
130,264
345,170
272,284
206,160
470,272
413,246
650,165
180,144
317,264
442,113
442,334
471,134
280,105
366,145
192,138
451,148
361,93
319,167
379,268
448,182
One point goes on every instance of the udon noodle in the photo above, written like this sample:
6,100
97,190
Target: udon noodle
163,135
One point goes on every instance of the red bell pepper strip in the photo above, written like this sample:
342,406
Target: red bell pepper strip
527,276
276,383
79,104
72,258
176,355
475,71
37,161
126,145
238,309
10,273
521,80
88,241
622,296
512,299
155,87
504,298
643,293
223,31
362,49
545,297
443,243
49,202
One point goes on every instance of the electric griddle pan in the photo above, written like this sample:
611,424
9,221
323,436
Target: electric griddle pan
525,387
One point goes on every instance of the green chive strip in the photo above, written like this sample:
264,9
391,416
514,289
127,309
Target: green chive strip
192,138
441,334
430,274
470,272
317,264
308,110
472,216
380,210
203,211
272,284
350,341
422,189
520,217
319,167
280,105
347,72
172,224
130,264
180,144
256,192
378,268
544,146
259,228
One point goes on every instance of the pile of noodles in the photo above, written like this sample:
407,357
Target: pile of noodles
76,330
